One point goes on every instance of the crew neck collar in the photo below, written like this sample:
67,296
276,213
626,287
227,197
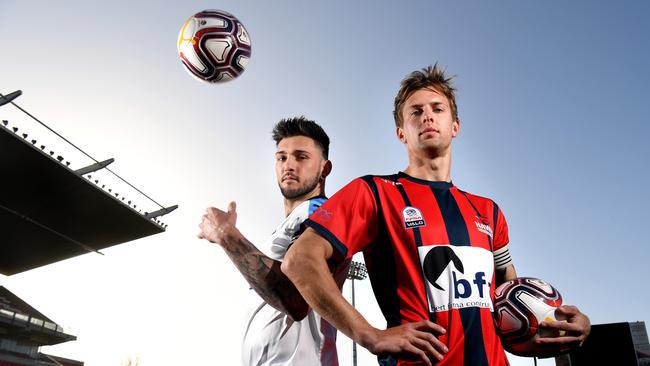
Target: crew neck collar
431,183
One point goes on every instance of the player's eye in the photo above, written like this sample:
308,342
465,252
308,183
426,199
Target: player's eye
281,158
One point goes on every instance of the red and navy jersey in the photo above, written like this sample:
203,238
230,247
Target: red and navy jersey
429,248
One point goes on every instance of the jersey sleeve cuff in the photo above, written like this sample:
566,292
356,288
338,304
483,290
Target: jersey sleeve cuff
340,250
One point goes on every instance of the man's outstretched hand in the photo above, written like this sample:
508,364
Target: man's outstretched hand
216,225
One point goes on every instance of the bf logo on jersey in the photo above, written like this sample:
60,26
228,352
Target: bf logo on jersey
457,276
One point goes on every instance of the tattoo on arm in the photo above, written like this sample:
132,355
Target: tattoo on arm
264,275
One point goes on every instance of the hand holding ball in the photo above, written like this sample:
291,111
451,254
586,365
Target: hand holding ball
520,306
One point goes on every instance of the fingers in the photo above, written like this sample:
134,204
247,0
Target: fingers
200,234
571,335
203,233
567,310
575,322
425,328
430,326
554,324
207,228
417,339
558,344
212,211
215,216
430,345
217,225
559,329
419,353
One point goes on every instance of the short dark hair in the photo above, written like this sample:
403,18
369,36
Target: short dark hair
430,77
301,126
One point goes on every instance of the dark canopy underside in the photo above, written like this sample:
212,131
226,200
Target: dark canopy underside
48,213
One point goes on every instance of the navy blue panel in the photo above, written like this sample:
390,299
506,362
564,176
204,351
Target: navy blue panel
481,218
454,222
495,217
474,347
470,317
373,187
386,360
380,260
432,184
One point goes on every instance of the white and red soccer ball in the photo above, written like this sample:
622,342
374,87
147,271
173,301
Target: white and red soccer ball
520,305
214,46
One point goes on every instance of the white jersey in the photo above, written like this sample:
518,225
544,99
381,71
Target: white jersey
271,337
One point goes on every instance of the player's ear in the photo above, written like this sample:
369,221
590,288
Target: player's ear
455,127
327,169
400,135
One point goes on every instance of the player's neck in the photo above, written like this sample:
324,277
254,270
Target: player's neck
436,168
291,203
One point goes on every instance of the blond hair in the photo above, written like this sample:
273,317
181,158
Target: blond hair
430,77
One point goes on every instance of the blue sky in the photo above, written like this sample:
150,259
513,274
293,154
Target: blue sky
552,98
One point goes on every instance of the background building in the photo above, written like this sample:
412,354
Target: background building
23,330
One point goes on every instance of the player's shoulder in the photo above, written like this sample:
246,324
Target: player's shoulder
376,179
366,184
308,206
477,198
314,203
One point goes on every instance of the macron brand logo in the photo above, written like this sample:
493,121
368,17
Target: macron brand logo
322,213
391,182
456,277
412,217
484,228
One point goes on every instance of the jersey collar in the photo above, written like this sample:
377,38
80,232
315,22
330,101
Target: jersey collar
432,184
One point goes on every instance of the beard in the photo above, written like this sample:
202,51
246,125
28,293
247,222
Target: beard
293,193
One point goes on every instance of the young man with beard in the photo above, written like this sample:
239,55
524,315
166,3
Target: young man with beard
434,252
274,335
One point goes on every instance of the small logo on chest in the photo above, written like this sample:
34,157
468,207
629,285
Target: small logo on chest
484,228
412,217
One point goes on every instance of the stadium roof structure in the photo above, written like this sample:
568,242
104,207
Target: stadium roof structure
18,320
50,212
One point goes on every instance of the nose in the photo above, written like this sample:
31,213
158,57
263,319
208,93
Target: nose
427,114
289,164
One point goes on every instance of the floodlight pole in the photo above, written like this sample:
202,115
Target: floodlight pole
354,344
357,271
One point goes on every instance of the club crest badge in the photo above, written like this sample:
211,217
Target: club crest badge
412,217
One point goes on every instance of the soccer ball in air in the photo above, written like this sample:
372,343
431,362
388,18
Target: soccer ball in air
520,305
214,46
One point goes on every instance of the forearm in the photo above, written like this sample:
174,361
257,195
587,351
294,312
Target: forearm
306,265
307,268
506,274
264,276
